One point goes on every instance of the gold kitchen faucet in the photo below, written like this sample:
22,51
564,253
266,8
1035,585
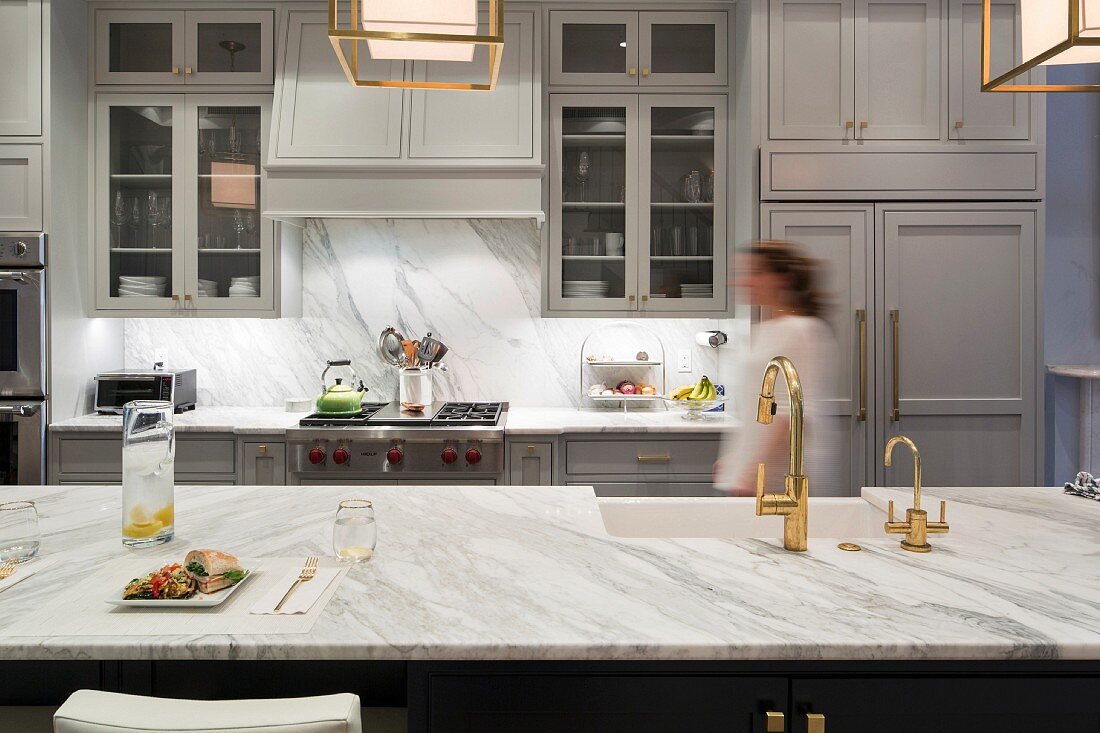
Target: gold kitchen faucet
792,505
916,526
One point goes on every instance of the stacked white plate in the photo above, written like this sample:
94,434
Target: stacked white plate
585,288
208,288
244,287
142,286
697,290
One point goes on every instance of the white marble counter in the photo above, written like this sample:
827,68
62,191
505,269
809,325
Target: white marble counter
530,573
242,420
521,421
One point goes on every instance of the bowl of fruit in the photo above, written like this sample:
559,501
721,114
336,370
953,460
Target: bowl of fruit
695,399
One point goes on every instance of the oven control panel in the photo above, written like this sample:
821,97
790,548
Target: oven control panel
396,456
22,250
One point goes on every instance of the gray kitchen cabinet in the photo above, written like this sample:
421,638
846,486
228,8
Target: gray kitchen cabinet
841,237
946,295
667,465
21,192
956,294
530,462
972,113
501,124
97,458
262,461
21,48
175,47
627,48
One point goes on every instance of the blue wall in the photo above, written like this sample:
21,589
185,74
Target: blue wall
1072,282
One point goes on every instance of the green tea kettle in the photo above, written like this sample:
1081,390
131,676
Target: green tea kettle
339,399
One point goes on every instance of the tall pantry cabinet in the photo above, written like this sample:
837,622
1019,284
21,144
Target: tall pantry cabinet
922,198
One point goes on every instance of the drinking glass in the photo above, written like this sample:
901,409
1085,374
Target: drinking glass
708,186
239,225
118,216
692,187
250,228
355,533
152,213
148,473
137,218
584,170
18,531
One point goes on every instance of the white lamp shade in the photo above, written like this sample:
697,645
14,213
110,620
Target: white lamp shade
450,17
1045,24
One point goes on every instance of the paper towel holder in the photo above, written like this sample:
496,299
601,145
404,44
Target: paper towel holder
711,338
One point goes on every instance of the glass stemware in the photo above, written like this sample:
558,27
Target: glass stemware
584,170
152,213
250,227
137,219
118,216
239,225
165,217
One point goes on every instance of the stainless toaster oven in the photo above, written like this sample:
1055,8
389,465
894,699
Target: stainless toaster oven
115,389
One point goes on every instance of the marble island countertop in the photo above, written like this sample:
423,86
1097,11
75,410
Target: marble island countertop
521,421
465,573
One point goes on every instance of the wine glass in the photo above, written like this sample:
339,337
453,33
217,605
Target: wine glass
166,219
250,228
584,170
118,217
239,225
152,213
137,218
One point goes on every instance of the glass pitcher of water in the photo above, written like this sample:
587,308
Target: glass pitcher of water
148,473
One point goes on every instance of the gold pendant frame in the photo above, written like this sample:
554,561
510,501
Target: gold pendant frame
346,37
1075,39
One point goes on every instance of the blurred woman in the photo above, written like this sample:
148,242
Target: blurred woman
785,284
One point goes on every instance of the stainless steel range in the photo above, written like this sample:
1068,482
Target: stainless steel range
447,443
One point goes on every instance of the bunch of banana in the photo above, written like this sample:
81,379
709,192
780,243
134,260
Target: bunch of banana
702,390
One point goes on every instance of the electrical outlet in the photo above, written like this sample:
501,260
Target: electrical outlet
683,361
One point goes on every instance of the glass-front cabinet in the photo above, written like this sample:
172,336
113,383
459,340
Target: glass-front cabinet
624,48
178,199
638,212
184,47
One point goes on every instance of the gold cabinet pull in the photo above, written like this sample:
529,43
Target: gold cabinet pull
531,449
666,458
188,297
815,723
645,72
774,722
188,70
645,298
861,316
261,449
632,71
176,70
630,298
850,125
175,297
863,125
959,124
895,320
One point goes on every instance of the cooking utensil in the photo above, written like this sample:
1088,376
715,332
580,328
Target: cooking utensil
431,350
410,353
340,400
391,348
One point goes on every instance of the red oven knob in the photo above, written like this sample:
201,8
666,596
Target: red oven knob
394,456
473,456
340,455
449,455
317,455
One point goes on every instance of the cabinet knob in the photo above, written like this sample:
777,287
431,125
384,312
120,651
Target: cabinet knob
188,70
531,449
849,124
188,297
774,723
175,297
261,449
176,70
632,71
645,298
630,298
645,72
815,723
959,125
863,125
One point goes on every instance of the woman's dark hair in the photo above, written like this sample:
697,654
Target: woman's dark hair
802,272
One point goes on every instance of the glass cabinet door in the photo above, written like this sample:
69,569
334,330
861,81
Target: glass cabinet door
137,201
592,47
683,48
229,243
139,46
683,172
593,234
229,47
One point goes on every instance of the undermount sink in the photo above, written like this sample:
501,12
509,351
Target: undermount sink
735,517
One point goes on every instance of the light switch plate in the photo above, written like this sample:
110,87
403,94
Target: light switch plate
683,361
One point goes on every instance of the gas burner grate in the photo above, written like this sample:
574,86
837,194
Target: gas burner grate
468,413
327,421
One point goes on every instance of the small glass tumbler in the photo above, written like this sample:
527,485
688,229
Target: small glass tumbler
354,534
19,536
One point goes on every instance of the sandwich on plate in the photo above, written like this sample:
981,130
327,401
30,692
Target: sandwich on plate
213,570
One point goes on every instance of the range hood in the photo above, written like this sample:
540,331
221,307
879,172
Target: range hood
336,150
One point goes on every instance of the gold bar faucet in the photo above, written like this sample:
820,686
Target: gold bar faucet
916,526
792,505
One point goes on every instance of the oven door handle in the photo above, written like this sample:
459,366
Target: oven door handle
20,410
12,275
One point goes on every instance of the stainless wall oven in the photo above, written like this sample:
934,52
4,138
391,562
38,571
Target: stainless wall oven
22,357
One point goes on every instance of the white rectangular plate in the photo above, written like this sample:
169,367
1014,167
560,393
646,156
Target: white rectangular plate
199,600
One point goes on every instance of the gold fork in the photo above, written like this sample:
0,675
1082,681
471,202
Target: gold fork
308,571
8,569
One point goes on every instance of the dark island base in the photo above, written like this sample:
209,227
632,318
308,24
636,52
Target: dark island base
612,697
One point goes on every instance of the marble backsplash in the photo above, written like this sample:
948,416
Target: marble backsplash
475,284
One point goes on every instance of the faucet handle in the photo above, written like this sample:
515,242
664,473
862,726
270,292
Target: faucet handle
759,489
940,527
891,526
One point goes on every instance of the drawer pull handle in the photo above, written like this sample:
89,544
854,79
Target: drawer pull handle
774,722
815,723
262,450
655,459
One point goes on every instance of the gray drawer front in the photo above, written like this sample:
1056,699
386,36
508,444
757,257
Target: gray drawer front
657,457
205,456
104,456
86,455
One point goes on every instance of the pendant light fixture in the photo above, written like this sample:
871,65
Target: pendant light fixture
1052,32
424,30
